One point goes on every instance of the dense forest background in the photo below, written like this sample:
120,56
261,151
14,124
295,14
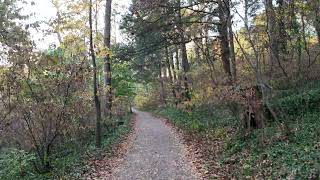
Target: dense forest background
239,77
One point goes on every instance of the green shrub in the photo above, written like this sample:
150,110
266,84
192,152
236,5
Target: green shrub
276,152
298,99
15,164
271,152
299,103
201,119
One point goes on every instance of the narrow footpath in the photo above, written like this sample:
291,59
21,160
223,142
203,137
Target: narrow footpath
156,153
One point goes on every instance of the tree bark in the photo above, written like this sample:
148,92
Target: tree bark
59,19
170,76
315,7
282,37
231,45
178,78
304,39
107,59
184,57
177,63
223,35
95,86
162,91
174,73
271,29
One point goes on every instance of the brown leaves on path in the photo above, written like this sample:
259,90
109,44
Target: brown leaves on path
103,167
204,153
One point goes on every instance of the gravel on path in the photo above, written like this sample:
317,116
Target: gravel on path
157,153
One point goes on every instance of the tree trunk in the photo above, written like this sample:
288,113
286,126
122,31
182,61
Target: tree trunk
170,76
177,63
271,29
59,20
315,7
162,91
210,59
282,37
231,45
174,73
304,39
223,35
184,57
185,67
95,86
107,59
295,34
178,77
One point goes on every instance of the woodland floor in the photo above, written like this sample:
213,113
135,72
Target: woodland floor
156,152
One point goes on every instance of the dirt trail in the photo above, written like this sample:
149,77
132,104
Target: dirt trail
156,153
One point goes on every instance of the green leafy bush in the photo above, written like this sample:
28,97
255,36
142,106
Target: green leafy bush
201,119
272,152
15,164
299,103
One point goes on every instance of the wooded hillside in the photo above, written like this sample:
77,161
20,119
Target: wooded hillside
239,78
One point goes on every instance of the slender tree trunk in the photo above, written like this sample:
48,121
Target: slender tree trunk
282,38
231,45
162,91
184,57
315,7
210,59
95,86
96,14
295,34
178,84
211,71
223,33
246,12
174,73
107,59
185,67
59,19
170,76
304,39
197,49
177,63
271,29
99,74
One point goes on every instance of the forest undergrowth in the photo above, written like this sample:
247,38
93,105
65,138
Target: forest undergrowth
288,148
69,160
